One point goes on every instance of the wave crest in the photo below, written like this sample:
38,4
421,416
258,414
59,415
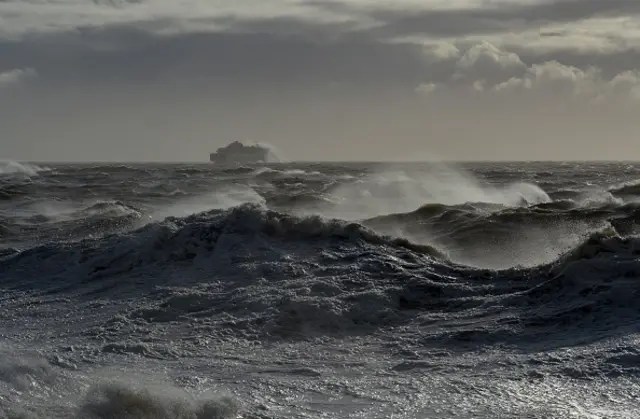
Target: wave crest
398,191
10,167
626,189
263,273
205,235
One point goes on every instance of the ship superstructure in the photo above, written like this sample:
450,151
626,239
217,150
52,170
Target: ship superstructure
238,153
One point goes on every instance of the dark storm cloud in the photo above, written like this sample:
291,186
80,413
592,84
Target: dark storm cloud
245,52
160,81
125,53
494,17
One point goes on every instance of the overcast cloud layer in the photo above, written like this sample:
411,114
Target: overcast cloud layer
321,80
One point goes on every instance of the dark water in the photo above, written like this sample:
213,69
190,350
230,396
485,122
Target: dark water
320,290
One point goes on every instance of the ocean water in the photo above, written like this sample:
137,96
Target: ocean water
494,290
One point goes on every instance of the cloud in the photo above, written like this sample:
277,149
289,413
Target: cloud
24,18
485,62
523,45
554,76
607,20
16,76
494,71
626,83
427,88
607,31
126,54
479,18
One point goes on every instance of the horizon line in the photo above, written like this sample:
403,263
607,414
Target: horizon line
205,162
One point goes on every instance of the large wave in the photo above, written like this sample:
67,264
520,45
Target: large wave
252,272
627,189
473,222
248,284
491,235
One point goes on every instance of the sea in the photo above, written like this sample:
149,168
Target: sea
320,290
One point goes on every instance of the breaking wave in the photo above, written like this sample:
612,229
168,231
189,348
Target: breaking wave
396,191
295,277
278,284
135,398
116,400
8,167
630,188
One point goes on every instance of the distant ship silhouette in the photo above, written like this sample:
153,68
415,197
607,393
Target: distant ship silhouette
238,153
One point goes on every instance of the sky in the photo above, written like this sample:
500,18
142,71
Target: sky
172,80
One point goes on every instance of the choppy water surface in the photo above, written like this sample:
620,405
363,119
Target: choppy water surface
320,290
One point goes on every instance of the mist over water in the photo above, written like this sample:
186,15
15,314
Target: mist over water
220,198
391,190
9,167
317,290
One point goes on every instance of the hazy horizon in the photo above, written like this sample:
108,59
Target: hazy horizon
302,161
337,80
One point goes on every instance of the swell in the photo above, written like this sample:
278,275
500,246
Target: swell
36,220
176,240
491,235
253,273
556,211
14,191
627,189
